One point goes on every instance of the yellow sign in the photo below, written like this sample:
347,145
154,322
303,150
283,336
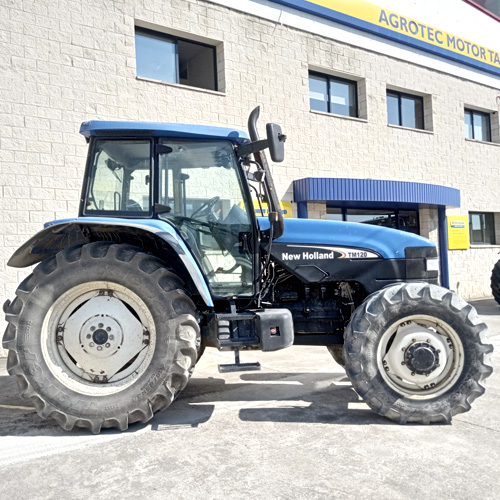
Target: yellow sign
458,232
262,210
369,17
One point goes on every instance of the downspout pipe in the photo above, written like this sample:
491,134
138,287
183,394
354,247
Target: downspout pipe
444,267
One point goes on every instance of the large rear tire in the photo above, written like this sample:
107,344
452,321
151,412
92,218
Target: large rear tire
495,282
101,335
417,353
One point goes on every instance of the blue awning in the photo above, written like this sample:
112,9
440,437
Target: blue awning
374,192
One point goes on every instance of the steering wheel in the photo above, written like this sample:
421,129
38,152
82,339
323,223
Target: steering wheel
132,205
206,208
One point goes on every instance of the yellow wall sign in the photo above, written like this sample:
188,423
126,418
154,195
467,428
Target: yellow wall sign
262,210
388,24
458,232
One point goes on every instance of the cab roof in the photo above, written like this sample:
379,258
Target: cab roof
174,130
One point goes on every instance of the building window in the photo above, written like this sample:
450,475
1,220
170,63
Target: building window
331,94
405,110
175,60
404,220
477,125
482,228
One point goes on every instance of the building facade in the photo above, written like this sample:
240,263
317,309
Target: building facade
391,108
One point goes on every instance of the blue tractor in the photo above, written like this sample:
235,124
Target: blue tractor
167,257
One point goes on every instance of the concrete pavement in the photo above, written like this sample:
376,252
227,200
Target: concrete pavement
294,430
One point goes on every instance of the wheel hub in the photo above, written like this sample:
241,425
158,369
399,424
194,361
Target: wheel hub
102,336
421,358
418,356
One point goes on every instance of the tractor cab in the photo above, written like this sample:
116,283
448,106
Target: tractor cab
189,176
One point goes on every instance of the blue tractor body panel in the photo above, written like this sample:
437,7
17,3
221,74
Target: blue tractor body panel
388,243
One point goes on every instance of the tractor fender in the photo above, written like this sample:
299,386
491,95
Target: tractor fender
61,234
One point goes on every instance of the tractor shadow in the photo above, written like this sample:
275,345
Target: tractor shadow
486,307
321,398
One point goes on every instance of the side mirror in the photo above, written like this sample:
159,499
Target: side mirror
276,141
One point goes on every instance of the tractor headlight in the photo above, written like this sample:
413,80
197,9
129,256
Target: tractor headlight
432,264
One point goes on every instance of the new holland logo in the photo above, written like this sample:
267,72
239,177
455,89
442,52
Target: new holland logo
325,253
308,256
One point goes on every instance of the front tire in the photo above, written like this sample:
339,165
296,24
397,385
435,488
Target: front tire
416,353
101,335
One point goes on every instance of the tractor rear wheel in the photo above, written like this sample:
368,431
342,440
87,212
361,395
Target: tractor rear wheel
495,282
101,335
417,353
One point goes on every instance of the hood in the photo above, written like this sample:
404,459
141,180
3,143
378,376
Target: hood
388,243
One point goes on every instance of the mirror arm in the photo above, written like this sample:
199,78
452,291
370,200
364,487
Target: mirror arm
245,150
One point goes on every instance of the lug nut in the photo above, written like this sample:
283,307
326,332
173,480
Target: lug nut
100,325
92,328
111,337
412,374
99,347
403,363
386,368
91,344
384,362
89,336
108,329
108,344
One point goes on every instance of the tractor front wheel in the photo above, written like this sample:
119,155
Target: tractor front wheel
417,353
101,335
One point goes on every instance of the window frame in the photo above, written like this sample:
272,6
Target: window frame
480,113
90,170
483,220
337,79
400,95
175,39
396,213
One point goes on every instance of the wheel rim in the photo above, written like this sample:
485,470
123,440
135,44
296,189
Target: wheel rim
420,357
98,338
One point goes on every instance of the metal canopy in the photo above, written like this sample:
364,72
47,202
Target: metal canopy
366,191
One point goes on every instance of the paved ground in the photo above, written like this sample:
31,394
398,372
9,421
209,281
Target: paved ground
295,430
